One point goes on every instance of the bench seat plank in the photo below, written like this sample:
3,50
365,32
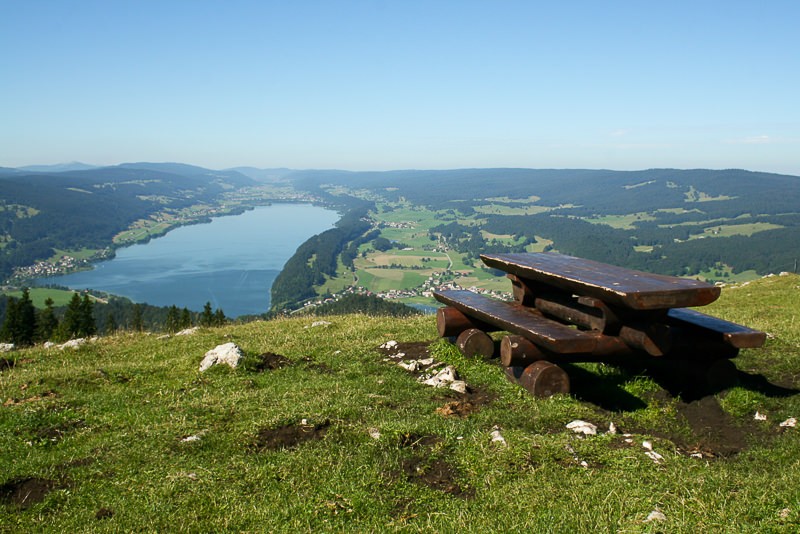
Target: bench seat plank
733,334
613,285
514,318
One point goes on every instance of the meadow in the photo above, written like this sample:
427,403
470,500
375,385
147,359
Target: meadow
320,429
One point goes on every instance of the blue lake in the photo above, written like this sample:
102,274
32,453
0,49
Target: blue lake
230,262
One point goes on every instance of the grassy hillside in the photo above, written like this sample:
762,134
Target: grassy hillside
322,430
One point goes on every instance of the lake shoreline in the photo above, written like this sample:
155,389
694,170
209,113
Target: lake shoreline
215,277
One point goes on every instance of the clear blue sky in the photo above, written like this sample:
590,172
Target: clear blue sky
403,84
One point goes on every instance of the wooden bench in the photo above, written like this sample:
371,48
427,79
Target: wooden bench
572,309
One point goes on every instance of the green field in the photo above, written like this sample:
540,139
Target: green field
321,431
39,295
727,230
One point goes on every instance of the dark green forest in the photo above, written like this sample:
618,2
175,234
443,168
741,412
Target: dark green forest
679,205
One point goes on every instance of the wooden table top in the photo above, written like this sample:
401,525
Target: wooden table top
613,285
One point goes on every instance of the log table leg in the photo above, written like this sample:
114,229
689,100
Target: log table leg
543,379
516,351
475,342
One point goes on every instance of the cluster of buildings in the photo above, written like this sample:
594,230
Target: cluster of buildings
42,269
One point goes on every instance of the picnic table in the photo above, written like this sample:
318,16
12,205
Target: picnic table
569,309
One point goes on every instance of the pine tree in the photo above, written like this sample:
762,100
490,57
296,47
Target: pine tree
88,326
47,323
138,322
219,317
186,319
207,317
26,326
111,324
173,319
8,330
71,324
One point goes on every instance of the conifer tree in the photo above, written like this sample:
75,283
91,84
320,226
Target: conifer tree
88,326
111,324
26,320
186,319
219,317
71,324
138,322
47,322
173,319
7,331
207,317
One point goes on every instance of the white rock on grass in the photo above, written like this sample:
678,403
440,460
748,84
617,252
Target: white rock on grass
498,438
188,331
459,386
789,423
443,378
582,427
389,344
227,353
411,365
6,347
760,417
74,343
655,515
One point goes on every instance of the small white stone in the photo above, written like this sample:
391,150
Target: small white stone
426,361
760,417
189,439
409,366
657,458
789,423
459,386
655,515
389,345
647,445
188,331
612,428
6,347
498,438
374,433
315,324
582,427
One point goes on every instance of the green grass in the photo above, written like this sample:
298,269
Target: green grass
38,295
105,424
727,230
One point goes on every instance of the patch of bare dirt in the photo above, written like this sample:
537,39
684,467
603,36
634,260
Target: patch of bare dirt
436,474
34,398
317,367
104,513
268,361
416,350
23,493
465,404
426,465
289,436
712,432
56,432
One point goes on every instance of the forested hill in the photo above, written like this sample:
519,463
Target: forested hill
588,191
707,223
40,212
